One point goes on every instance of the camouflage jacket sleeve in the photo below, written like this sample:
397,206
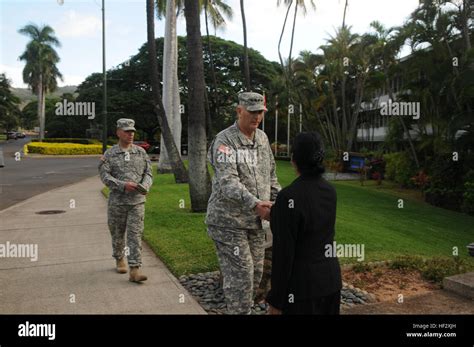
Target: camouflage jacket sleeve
227,176
275,186
106,176
147,178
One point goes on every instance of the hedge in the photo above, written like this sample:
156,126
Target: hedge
61,148
82,141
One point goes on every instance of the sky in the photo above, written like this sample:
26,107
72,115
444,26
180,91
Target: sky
78,26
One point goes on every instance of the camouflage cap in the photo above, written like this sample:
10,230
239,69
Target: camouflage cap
252,101
126,124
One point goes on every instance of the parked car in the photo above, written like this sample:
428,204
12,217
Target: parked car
20,135
11,135
143,144
154,149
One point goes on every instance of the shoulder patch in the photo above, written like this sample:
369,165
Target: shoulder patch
224,149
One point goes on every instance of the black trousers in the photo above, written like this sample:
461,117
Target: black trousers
325,305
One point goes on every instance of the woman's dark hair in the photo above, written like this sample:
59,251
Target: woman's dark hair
307,153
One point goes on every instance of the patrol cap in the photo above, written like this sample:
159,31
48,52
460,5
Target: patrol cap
252,101
126,124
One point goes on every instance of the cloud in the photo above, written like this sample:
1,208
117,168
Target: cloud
74,24
14,74
71,80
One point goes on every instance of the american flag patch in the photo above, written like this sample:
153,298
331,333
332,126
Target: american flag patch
224,149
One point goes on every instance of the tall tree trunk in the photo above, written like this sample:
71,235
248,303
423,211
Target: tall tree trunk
344,16
352,132
210,132
40,107
465,17
199,181
246,54
285,72
292,39
171,100
281,36
179,171
214,79
402,122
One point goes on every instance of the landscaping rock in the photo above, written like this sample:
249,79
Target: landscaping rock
206,288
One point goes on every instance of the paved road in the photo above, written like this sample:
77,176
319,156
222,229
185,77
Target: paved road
20,180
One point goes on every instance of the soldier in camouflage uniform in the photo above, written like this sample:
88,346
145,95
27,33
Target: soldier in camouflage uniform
126,170
243,186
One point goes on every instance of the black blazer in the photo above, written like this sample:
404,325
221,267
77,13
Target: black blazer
302,223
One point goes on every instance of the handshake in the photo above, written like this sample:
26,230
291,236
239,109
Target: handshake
263,209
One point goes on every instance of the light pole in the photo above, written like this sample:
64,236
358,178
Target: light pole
104,73
276,127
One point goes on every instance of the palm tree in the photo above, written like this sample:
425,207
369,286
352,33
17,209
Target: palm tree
9,110
216,10
289,3
299,4
199,181
40,72
288,72
388,46
246,54
179,171
171,99
170,9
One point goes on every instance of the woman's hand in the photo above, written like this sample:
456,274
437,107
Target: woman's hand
273,311
263,209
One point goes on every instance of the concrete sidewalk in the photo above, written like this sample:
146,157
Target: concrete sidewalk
75,271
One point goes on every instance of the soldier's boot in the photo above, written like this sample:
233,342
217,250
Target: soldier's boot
121,266
135,274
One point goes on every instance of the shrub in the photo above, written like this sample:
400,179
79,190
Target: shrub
399,168
444,197
407,262
433,269
446,173
376,167
62,148
361,268
421,180
72,140
437,268
468,196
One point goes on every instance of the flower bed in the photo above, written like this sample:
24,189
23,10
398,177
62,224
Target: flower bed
61,148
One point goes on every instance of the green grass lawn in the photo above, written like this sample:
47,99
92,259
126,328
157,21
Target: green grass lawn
366,215
3,137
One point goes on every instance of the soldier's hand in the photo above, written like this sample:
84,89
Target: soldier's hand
130,186
263,209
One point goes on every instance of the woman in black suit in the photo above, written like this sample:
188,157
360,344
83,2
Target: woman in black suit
304,280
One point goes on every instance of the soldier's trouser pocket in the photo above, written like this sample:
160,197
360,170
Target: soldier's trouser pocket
136,215
127,219
239,261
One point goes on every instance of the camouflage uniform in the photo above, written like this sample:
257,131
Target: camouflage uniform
126,210
244,174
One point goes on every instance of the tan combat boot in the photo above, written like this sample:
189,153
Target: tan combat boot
135,275
121,266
